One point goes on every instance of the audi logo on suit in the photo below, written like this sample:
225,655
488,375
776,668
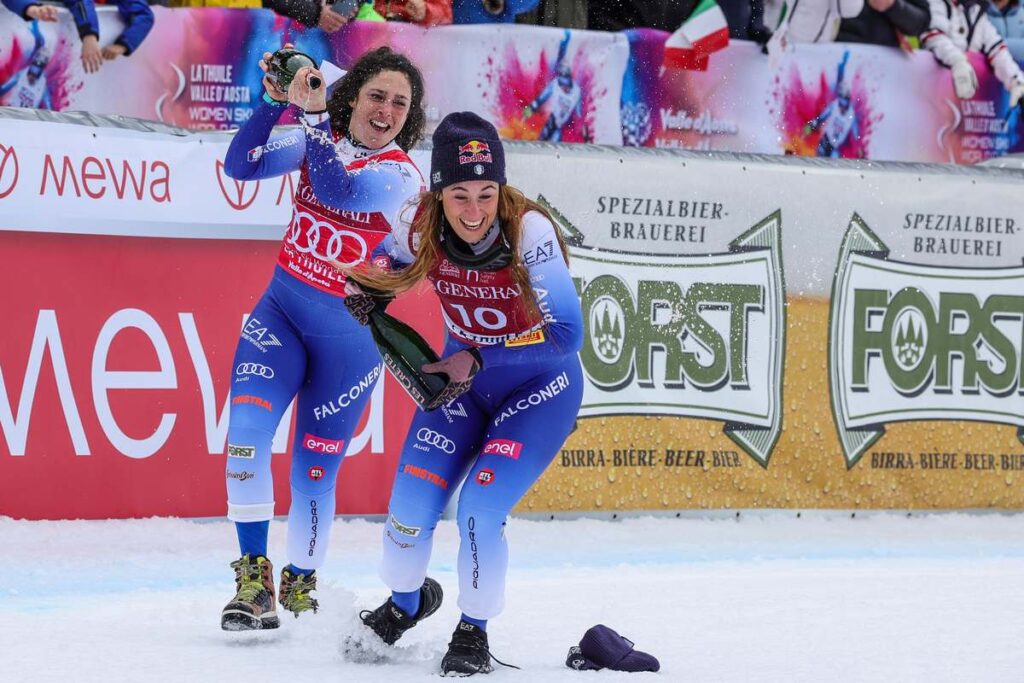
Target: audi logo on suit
436,439
256,369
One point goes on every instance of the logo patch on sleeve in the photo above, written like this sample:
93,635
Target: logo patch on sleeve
535,337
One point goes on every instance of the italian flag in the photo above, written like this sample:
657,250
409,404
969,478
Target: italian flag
704,32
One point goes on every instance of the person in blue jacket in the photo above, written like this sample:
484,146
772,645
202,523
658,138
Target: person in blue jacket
1008,18
500,270
489,11
300,340
136,14
138,20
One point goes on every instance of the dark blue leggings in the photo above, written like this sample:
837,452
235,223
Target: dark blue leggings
297,341
500,437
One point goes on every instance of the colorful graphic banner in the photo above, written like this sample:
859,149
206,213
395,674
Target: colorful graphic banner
828,100
198,69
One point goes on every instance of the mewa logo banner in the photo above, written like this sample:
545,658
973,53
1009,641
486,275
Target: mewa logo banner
116,368
114,181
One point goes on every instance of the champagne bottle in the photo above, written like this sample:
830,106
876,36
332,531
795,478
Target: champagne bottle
405,352
285,63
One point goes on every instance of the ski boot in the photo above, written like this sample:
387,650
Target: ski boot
253,607
389,622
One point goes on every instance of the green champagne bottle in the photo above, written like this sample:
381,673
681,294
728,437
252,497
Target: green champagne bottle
285,63
405,352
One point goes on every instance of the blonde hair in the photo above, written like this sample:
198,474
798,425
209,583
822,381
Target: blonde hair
426,225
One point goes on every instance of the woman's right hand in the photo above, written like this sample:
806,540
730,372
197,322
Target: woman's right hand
42,12
273,91
303,95
360,303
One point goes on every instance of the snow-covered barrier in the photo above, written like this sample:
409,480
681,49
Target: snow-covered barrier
761,331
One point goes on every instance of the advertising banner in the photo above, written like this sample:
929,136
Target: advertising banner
827,100
759,332
699,337
911,343
131,265
198,69
659,429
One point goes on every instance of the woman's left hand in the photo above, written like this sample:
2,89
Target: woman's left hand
460,367
305,97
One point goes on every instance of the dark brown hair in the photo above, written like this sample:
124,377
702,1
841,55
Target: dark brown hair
365,68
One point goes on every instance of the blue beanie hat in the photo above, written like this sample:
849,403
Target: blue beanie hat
466,147
603,648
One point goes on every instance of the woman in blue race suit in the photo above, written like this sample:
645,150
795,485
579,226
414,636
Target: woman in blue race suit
500,270
300,339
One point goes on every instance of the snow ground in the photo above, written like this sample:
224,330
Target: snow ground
764,598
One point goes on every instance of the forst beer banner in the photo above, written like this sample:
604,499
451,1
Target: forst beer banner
197,69
708,284
913,342
759,332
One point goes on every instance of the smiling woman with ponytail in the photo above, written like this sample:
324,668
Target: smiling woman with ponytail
500,270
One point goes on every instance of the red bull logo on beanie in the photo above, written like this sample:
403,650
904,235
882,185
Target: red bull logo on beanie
474,152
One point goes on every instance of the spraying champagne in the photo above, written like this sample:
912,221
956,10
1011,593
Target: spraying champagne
285,63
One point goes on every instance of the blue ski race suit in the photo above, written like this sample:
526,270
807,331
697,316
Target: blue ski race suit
300,340
500,436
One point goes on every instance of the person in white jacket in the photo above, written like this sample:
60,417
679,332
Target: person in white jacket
959,26
811,21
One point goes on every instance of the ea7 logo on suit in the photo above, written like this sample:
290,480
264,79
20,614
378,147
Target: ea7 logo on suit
239,194
9,170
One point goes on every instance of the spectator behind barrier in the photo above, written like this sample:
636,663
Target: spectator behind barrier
138,21
618,15
814,21
83,13
957,28
489,11
746,20
328,17
137,16
886,22
1007,17
422,12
